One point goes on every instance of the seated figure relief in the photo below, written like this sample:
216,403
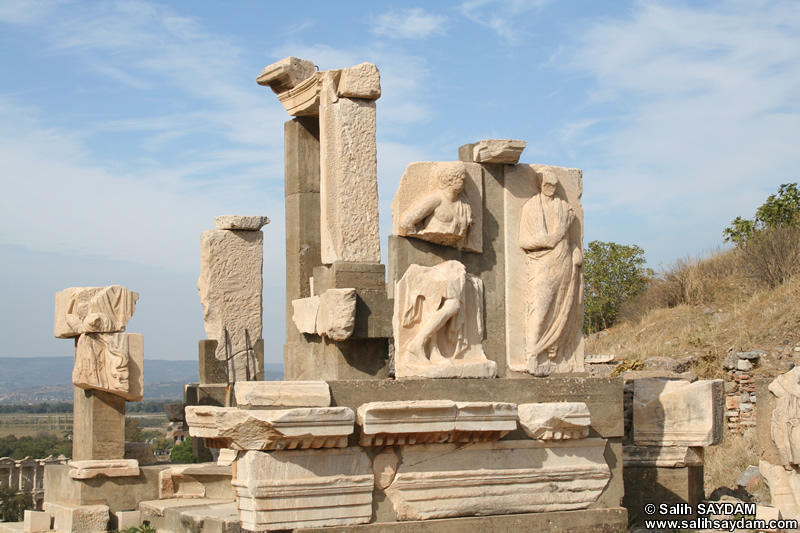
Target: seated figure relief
438,323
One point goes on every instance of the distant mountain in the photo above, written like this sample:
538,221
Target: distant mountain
49,379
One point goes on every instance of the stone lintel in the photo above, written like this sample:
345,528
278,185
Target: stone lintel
262,394
662,456
106,468
504,151
240,222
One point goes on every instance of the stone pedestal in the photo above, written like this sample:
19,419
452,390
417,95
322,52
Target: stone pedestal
99,425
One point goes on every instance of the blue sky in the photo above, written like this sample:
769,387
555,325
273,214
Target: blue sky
125,127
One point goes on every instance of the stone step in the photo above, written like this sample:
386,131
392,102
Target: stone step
11,527
200,515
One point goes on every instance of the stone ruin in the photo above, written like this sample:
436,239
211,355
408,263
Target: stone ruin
457,389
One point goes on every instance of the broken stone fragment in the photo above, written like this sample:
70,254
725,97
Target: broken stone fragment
360,81
230,427
111,362
555,421
305,314
337,314
93,310
504,151
240,222
286,74
677,413
282,394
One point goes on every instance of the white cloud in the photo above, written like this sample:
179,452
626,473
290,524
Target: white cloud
706,113
414,23
502,16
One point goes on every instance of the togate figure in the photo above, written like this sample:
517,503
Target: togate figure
438,323
554,276
443,216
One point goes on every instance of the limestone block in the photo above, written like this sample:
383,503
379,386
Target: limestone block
420,421
768,514
229,427
360,81
555,421
504,151
662,456
305,314
303,100
142,452
230,288
78,518
127,519
677,413
173,483
349,275
282,394
226,457
337,313
174,411
103,468
487,478
441,202
544,269
99,427
93,310
240,222
348,177
36,521
110,362
11,527
784,487
286,74
438,324
212,370
303,489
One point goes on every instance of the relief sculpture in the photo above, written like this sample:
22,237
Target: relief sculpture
438,323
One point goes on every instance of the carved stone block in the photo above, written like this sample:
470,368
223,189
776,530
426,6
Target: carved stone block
488,478
555,421
349,176
229,427
784,487
240,222
303,489
663,456
425,421
103,468
544,269
442,203
360,81
504,151
110,362
438,324
286,74
230,288
282,394
677,413
93,310
337,313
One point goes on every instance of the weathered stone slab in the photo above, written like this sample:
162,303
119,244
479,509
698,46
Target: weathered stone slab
449,480
93,310
337,314
78,518
298,489
110,362
544,269
240,222
442,203
438,324
34,521
282,394
662,456
424,421
230,288
229,427
103,468
360,81
286,74
349,177
503,151
555,421
677,413
305,314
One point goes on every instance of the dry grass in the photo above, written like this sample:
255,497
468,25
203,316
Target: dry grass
726,462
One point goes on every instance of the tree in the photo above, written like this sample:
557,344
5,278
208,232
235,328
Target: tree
782,209
182,453
132,431
13,504
162,445
613,273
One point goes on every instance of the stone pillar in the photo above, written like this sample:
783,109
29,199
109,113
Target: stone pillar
99,425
